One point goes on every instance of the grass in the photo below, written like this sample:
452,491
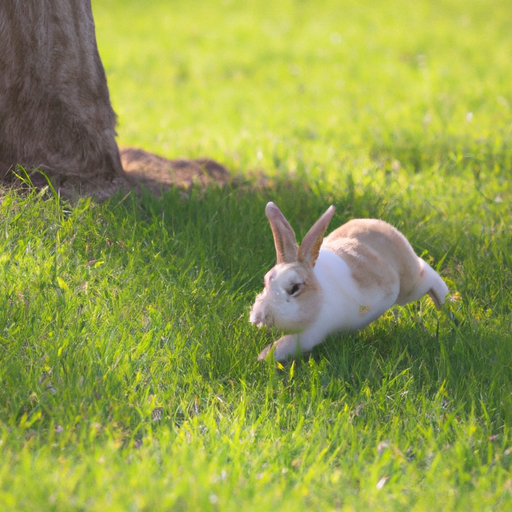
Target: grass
128,376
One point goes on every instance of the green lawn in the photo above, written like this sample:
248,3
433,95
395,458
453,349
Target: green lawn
128,375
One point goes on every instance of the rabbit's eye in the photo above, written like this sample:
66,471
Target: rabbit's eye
294,289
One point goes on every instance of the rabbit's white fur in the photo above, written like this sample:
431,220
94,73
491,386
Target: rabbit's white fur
339,283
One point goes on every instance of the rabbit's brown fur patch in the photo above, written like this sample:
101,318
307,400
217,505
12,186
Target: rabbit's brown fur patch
372,248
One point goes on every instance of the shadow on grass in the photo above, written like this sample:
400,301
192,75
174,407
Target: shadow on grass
183,270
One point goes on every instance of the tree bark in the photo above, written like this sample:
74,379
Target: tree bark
55,110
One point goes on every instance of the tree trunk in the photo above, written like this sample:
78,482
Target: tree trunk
55,111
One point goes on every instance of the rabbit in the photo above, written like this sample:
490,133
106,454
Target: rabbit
339,283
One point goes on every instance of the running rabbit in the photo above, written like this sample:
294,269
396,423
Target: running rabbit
338,283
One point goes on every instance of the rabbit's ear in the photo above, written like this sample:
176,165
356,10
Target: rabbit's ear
310,247
284,237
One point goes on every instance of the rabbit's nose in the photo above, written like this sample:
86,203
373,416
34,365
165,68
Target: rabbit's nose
258,314
256,317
